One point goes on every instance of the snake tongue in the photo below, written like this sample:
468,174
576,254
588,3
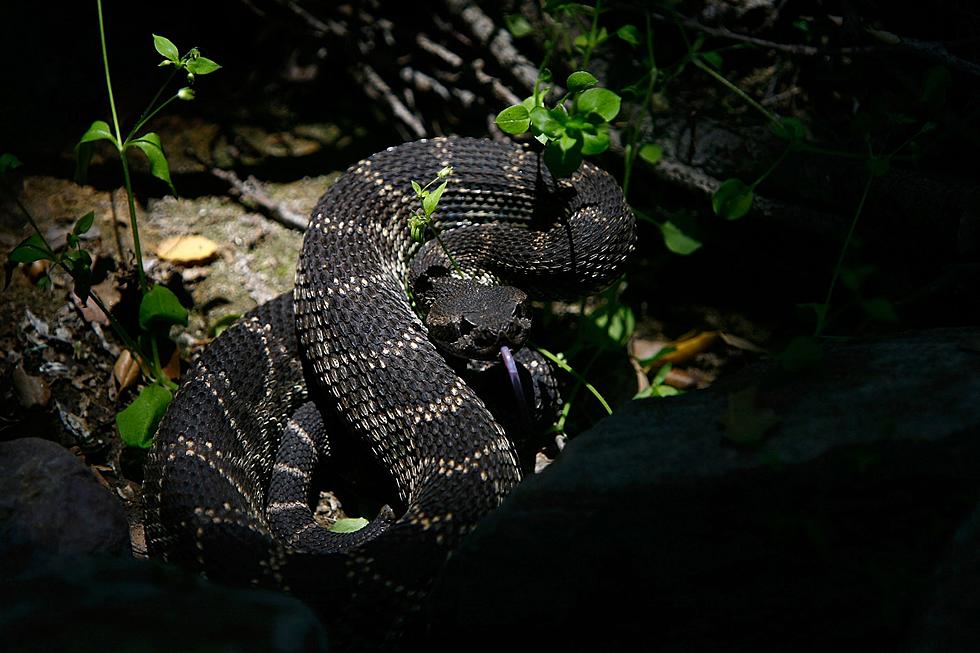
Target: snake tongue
515,381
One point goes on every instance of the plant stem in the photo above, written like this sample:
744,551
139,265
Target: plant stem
435,232
142,121
121,145
592,34
108,81
143,117
129,343
140,274
157,367
645,106
843,250
774,165
578,377
734,89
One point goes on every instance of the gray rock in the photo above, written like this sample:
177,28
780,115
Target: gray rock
654,530
68,581
96,604
52,506
950,621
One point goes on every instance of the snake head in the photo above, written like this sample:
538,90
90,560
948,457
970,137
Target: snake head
477,322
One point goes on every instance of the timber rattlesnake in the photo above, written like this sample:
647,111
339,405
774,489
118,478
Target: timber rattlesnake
243,418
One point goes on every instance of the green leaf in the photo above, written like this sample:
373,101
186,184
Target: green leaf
803,25
661,374
534,101
568,142
579,81
84,223
880,309
680,234
732,200
596,143
222,324
713,59
518,25
150,145
161,308
348,525
544,122
417,188
416,227
789,129
201,66
98,131
31,249
78,260
514,120
610,326
166,48
660,354
431,200
8,162
562,163
651,153
79,264
600,101
586,40
138,421
630,34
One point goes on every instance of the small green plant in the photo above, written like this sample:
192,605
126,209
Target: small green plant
159,308
658,387
576,126
420,222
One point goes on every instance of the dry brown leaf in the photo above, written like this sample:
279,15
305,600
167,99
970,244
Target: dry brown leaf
741,343
688,348
32,391
172,368
125,371
187,249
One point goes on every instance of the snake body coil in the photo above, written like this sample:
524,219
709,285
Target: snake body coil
347,353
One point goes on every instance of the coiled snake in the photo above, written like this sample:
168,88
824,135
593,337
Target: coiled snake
227,481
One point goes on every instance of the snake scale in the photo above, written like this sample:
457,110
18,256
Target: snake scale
227,482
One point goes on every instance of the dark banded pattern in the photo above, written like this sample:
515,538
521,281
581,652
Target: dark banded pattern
228,481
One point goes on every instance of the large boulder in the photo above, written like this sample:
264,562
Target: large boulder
52,506
655,531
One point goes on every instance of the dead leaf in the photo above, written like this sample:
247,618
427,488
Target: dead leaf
172,368
32,391
125,371
687,348
741,343
187,249
108,292
680,379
